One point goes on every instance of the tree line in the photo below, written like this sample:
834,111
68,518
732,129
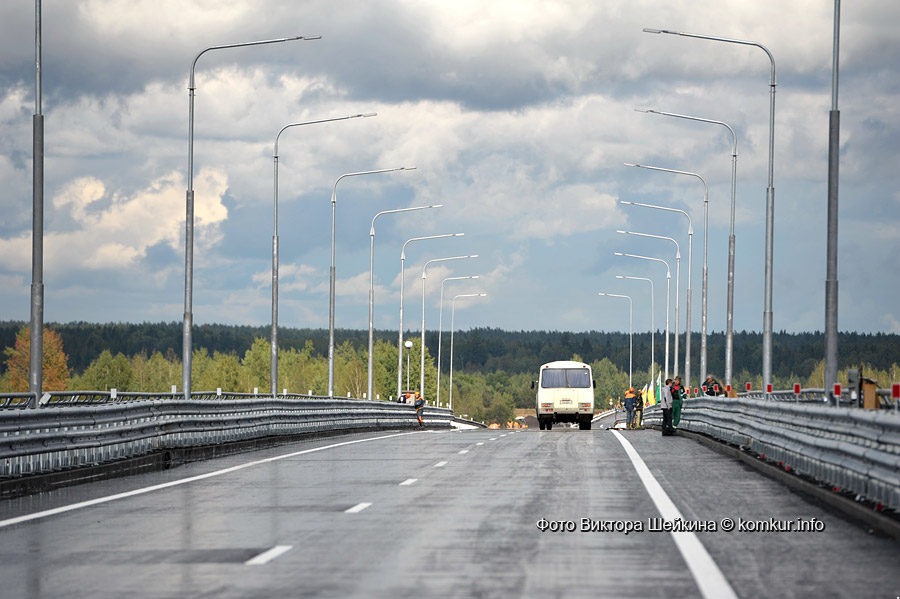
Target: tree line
493,369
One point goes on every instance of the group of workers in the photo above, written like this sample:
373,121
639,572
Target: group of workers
671,399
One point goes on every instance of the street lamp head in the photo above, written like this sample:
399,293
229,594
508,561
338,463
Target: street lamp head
630,164
407,168
305,37
626,202
620,231
619,254
408,344
367,114
648,30
620,277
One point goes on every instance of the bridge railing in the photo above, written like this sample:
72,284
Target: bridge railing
846,448
91,428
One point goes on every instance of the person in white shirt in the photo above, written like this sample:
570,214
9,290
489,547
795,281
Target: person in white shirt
665,401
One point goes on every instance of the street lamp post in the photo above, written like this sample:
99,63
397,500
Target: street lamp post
729,311
372,288
441,327
187,341
668,293
831,247
687,319
677,279
652,323
273,370
630,332
452,317
36,338
422,353
402,278
331,293
705,278
770,199
408,344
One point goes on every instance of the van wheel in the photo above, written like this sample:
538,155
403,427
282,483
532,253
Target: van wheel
541,423
549,424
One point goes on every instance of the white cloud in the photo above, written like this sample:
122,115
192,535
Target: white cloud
114,231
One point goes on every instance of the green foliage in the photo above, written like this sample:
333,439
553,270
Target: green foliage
107,372
493,369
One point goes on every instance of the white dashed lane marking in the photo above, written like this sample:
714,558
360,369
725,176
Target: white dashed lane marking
266,556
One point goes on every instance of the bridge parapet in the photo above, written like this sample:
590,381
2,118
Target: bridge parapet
91,428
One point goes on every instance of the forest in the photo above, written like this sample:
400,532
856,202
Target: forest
492,368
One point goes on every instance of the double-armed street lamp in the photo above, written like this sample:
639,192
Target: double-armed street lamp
687,319
652,323
729,310
331,293
402,278
187,341
630,331
273,371
677,278
441,327
770,198
452,317
705,279
668,279
422,352
372,289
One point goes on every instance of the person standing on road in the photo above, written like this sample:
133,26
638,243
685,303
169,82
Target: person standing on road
419,404
629,406
638,408
665,401
678,397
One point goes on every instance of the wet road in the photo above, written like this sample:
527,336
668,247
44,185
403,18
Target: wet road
448,514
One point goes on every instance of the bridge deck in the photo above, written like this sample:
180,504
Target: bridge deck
451,514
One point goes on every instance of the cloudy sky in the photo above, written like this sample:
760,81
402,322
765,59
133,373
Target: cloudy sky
518,116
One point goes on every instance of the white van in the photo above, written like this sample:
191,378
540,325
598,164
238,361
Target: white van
565,393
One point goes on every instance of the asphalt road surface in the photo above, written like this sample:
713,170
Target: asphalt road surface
479,513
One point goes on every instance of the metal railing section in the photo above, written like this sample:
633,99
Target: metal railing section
68,436
850,449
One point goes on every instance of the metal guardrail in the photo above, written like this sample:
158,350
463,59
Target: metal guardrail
91,428
848,448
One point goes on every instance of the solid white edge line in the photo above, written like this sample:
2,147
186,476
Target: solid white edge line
357,508
464,451
266,556
440,464
175,483
408,481
706,573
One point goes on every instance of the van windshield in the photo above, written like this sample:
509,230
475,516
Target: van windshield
555,378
